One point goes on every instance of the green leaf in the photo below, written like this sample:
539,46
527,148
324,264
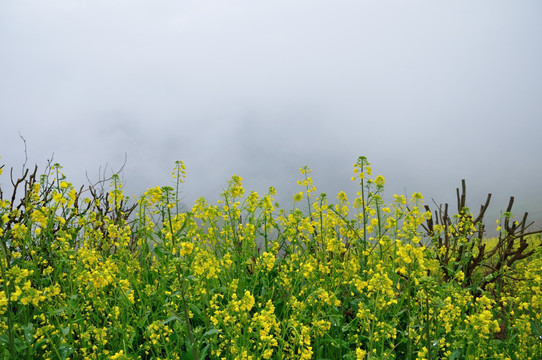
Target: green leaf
159,252
196,310
170,319
65,351
211,332
203,354
19,345
457,354
28,331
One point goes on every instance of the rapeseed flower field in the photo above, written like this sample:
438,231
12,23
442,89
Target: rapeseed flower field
88,273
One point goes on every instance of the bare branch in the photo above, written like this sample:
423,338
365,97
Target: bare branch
25,153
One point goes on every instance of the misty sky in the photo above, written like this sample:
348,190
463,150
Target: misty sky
430,91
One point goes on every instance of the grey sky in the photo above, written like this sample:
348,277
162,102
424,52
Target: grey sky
431,92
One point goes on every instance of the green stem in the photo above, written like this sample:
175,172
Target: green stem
195,351
7,285
427,326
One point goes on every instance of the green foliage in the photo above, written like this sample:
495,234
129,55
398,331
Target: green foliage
97,278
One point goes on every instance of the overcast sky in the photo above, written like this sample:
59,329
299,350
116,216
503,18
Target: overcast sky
430,91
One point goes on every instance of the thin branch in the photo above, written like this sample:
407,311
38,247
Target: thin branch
25,153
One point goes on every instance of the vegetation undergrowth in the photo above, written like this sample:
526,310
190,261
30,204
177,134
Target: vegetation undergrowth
87,275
